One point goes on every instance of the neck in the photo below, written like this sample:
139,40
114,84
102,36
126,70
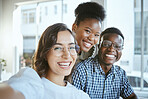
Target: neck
106,68
59,80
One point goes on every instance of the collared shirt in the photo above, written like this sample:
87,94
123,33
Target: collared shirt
90,77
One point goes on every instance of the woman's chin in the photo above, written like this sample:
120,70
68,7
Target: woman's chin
85,49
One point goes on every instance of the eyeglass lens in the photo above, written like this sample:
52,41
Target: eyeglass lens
107,44
60,50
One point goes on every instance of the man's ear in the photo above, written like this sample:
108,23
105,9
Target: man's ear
74,26
99,45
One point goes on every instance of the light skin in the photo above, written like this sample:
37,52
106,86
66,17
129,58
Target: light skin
6,92
87,33
108,56
61,63
60,66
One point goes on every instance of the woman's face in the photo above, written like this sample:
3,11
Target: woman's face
62,56
87,33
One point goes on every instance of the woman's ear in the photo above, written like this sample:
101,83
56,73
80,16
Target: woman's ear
74,26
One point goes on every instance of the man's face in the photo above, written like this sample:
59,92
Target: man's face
110,49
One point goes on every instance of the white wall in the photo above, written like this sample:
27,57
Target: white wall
9,39
120,14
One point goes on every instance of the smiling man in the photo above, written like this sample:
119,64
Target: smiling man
98,76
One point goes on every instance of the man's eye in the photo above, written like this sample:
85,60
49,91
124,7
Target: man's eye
118,46
105,44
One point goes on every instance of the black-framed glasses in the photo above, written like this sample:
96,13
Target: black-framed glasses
117,46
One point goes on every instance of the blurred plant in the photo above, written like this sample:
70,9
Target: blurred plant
3,62
23,61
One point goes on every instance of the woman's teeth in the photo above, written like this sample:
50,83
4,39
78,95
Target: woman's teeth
64,64
110,55
87,44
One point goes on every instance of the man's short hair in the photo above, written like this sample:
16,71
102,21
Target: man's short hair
112,30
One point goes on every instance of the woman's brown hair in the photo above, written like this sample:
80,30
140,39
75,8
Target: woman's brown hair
46,42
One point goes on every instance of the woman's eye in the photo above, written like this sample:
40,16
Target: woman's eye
72,48
97,34
58,48
87,31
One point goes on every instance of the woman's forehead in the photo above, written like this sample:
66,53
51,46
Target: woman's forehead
64,36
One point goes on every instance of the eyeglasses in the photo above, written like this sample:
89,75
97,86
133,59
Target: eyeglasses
117,46
59,50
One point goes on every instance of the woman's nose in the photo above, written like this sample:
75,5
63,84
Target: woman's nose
91,37
66,53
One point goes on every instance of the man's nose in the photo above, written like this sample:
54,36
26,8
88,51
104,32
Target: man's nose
111,47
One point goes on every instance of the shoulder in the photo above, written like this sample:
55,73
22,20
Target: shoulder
26,74
118,69
27,79
120,72
79,93
83,66
89,61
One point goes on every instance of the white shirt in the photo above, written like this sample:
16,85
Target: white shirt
28,82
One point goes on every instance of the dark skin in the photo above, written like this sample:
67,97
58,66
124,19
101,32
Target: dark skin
108,56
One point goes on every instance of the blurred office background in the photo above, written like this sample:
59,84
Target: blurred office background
23,21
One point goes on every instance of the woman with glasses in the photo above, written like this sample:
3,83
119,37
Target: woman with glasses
98,76
53,60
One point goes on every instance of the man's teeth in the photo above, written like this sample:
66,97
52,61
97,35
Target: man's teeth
87,44
64,64
110,55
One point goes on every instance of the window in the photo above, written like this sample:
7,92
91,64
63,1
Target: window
65,8
136,81
31,17
46,10
24,18
138,31
28,16
55,9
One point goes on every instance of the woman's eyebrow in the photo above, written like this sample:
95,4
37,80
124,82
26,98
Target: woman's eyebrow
99,32
58,44
71,44
62,44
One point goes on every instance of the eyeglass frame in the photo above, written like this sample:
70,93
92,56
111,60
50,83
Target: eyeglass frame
63,49
112,43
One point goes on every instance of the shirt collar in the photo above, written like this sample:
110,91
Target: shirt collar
98,69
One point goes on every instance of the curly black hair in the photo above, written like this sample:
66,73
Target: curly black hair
89,10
